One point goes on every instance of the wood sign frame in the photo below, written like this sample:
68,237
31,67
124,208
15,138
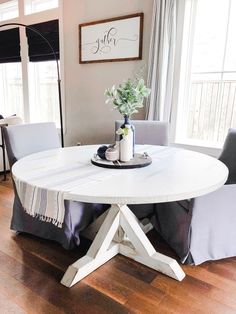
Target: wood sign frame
115,39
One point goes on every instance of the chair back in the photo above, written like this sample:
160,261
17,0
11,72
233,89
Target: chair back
149,132
25,139
228,155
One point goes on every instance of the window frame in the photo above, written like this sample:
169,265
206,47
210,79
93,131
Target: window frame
176,117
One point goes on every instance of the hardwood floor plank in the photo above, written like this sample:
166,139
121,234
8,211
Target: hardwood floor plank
119,285
119,278
223,269
7,306
23,296
215,280
137,270
168,305
196,293
79,298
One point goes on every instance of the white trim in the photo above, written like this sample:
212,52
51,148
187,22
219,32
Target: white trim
62,63
176,79
182,69
25,78
186,63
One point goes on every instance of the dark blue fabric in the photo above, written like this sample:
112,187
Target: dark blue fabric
77,215
173,221
228,155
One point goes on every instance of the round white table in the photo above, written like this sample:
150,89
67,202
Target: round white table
175,174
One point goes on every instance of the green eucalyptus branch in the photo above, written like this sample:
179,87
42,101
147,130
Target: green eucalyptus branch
128,97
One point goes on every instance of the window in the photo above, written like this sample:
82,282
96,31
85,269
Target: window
33,6
10,73
43,92
28,72
11,89
8,10
207,91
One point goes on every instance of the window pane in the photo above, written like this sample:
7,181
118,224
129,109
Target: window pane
8,10
11,89
210,35
208,78
230,58
33,6
43,92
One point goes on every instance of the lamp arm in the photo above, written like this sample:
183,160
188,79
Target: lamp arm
58,70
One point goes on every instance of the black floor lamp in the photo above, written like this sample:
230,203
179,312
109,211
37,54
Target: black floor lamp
58,71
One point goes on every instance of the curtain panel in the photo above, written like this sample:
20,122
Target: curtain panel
161,60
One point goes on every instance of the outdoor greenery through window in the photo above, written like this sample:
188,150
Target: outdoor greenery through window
207,98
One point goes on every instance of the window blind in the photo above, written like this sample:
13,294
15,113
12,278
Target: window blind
10,46
38,47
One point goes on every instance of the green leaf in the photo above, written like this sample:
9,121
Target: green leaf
128,97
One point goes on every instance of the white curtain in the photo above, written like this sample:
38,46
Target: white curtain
161,60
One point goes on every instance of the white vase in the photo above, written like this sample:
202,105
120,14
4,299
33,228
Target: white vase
126,145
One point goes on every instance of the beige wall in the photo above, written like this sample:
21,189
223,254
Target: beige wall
88,119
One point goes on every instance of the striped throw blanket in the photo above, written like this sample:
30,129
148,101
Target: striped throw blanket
47,203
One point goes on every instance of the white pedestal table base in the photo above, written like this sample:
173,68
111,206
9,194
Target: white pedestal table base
120,223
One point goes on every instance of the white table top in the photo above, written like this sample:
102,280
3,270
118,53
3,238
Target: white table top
174,174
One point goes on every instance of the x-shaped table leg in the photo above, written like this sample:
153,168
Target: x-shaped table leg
110,241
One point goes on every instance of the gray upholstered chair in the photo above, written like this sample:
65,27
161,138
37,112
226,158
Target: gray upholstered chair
26,139
152,133
204,228
149,132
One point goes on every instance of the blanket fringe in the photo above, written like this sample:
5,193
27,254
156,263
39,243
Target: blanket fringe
45,218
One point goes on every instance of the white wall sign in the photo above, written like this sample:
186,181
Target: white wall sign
116,39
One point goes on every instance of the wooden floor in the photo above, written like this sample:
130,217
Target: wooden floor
31,269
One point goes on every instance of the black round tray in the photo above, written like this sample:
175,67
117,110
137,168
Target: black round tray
139,161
